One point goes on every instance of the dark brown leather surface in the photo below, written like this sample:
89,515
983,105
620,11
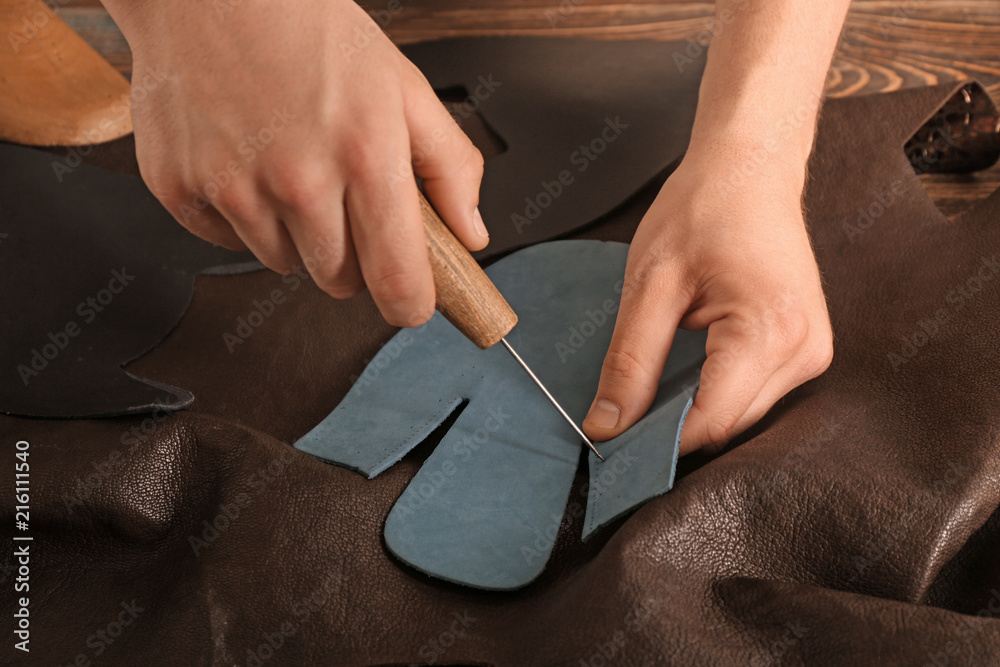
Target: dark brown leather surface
116,272
580,126
857,524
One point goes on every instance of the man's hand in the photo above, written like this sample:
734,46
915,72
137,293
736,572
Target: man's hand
294,130
724,246
729,253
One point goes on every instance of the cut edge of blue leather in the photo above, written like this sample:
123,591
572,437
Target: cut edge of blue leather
605,506
449,526
314,442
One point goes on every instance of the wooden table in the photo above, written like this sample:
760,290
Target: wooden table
887,45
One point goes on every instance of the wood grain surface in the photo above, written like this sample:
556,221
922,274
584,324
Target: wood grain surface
887,44
465,295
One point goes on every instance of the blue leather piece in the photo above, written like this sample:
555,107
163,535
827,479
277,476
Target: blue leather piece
640,464
484,506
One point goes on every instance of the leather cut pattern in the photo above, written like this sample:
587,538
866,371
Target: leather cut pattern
485,506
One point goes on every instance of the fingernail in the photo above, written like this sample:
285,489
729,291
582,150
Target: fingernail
604,414
477,222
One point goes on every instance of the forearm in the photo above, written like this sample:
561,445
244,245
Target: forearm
763,82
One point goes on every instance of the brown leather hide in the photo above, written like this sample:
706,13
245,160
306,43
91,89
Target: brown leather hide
857,524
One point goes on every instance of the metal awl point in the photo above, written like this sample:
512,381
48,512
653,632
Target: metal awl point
550,397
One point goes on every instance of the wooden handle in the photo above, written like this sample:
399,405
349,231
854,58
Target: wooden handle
465,295
55,90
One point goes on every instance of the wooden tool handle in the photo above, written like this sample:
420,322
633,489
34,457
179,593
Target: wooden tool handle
55,90
465,295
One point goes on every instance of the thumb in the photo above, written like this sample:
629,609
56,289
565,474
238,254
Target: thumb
644,331
734,390
449,163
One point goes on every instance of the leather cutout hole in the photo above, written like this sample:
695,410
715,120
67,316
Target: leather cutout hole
427,446
463,107
955,153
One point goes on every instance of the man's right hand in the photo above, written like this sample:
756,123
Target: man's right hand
294,129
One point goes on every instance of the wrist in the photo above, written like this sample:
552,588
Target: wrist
740,160
758,123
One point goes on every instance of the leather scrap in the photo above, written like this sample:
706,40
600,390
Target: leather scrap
586,123
95,273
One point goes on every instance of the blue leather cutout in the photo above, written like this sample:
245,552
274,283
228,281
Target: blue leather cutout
485,505
639,464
